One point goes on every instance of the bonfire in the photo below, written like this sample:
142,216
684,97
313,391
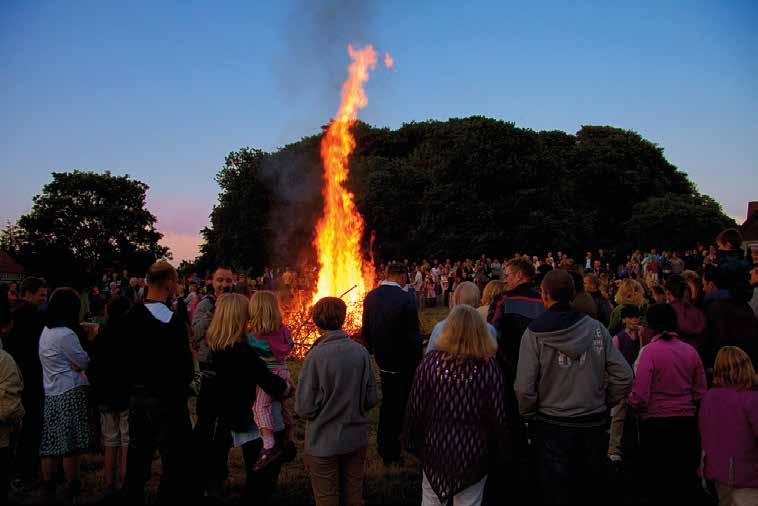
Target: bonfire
343,268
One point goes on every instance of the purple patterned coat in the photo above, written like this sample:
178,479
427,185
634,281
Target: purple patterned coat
456,420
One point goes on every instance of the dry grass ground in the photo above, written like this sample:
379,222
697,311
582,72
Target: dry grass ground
383,485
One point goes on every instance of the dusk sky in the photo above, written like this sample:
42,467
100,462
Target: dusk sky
164,90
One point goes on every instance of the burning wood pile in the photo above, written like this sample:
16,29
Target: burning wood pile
296,311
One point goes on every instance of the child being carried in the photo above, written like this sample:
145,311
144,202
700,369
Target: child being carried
273,342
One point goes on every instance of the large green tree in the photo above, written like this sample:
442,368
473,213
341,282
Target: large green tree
463,187
85,222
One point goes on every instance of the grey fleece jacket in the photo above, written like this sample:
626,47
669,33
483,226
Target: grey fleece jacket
570,372
335,391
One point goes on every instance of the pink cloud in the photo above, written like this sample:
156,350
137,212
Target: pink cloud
183,246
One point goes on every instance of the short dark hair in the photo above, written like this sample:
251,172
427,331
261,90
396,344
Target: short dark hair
63,308
658,289
31,285
329,313
559,286
630,311
117,308
522,265
661,318
396,269
578,282
730,236
160,273
220,267
677,286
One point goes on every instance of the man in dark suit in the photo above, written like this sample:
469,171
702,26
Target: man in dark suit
23,345
391,331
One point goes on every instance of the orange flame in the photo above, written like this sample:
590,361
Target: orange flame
388,61
342,269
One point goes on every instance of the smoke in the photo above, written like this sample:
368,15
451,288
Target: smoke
315,39
310,71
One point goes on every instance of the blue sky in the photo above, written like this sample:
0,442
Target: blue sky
164,90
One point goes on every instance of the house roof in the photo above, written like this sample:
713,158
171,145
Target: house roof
9,265
749,229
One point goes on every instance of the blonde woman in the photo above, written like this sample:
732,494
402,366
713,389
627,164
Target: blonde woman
630,293
492,289
728,420
273,342
456,411
225,403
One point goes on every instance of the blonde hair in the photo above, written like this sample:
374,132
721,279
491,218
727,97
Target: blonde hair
631,292
733,368
229,322
265,315
465,335
466,293
492,289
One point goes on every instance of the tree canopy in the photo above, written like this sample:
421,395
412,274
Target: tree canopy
84,223
463,187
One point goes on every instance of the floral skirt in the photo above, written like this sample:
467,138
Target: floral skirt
66,424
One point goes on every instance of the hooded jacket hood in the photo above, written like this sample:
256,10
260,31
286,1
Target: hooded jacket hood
565,330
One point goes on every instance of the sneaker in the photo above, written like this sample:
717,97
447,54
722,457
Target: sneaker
267,457
615,458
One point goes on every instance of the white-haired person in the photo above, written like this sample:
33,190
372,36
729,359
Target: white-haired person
466,293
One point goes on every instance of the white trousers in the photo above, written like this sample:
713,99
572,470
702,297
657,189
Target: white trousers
471,496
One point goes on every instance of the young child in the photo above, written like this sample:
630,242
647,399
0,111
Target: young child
273,341
628,343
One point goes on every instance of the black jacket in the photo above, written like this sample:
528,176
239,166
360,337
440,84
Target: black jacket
228,390
604,308
160,361
391,328
108,372
23,345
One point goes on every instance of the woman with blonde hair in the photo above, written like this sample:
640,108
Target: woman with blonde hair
456,411
225,402
728,424
630,293
492,289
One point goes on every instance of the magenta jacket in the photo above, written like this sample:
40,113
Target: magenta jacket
670,380
729,434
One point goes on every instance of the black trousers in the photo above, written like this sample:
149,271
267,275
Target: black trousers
670,455
214,446
154,425
395,391
572,463
5,464
26,456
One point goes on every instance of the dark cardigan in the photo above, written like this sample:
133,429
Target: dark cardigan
229,391
455,420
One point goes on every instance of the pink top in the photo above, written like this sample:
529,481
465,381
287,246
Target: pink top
729,433
670,380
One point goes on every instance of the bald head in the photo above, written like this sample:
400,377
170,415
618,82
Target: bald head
557,287
467,293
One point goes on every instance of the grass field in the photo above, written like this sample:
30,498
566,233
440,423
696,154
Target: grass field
383,485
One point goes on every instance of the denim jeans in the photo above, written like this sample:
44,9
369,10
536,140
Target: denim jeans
572,463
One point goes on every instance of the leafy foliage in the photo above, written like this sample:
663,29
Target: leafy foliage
463,187
83,223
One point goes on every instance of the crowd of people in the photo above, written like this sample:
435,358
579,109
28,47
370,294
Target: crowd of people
547,380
